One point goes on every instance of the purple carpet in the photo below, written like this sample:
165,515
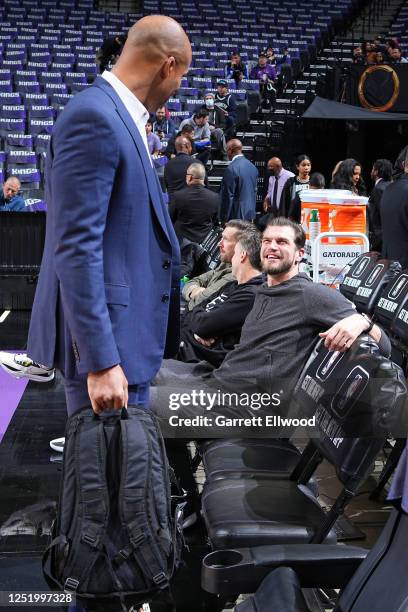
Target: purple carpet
11,391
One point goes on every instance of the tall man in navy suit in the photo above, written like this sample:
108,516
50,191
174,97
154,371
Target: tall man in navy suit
106,305
238,187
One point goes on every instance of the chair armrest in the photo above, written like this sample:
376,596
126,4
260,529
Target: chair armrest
316,565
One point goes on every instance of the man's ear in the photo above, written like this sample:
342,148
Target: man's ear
168,67
301,253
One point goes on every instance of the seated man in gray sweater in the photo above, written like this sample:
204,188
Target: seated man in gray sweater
289,314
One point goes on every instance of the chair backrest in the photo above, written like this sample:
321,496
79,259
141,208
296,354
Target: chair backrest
393,297
357,397
358,271
371,288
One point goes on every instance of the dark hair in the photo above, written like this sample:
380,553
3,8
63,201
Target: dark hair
203,112
149,121
383,168
301,158
300,237
343,177
317,180
187,128
250,240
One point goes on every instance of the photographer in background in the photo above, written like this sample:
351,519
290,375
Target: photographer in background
236,69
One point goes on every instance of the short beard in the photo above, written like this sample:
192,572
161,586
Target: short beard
282,268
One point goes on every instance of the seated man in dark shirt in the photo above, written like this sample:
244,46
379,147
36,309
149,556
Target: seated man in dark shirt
213,328
11,200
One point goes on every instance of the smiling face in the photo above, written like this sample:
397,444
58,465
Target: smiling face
280,256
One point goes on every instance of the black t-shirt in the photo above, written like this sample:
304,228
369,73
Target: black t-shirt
221,316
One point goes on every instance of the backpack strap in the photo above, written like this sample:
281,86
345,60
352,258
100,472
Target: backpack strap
133,501
92,492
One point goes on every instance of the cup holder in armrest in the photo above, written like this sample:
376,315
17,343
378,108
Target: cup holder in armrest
230,572
223,558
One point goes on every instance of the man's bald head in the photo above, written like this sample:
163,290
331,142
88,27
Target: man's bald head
275,166
11,187
182,144
156,55
234,147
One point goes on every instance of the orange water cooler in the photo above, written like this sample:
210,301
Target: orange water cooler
339,211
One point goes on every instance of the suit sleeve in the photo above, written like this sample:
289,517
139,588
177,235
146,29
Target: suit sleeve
173,209
82,177
227,195
285,200
225,318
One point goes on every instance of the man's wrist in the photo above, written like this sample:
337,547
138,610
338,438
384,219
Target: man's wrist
369,322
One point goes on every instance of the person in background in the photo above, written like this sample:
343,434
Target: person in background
201,134
317,181
270,54
348,176
162,126
239,186
217,123
396,56
285,59
263,71
187,131
227,103
153,141
236,69
381,174
278,176
194,208
11,200
109,52
295,184
175,171
394,219
202,287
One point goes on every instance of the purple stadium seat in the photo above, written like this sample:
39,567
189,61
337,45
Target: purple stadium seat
12,64
50,77
30,178
35,99
87,68
28,87
75,77
38,126
76,87
42,142
41,112
51,88
174,105
8,126
6,86
16,157
19,141
12,111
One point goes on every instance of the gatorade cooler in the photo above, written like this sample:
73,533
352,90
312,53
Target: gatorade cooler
339,211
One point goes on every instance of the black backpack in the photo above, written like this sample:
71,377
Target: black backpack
115,537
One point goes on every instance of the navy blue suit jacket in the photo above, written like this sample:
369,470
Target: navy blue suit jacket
111,257
238,191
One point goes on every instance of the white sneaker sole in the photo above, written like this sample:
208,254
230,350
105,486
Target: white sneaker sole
43,378
57,447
